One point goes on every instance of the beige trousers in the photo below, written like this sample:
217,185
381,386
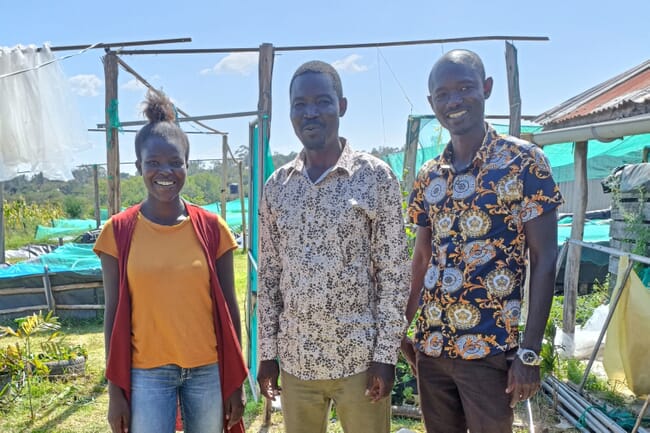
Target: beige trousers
306,405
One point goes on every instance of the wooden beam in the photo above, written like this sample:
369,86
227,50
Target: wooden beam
112,137
23,309
21,291
140,78
80,307
513,90
572,269
77,286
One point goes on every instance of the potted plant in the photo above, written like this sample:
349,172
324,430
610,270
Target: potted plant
62,359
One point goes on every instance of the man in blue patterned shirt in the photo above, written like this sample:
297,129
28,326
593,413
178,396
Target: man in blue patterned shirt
485,210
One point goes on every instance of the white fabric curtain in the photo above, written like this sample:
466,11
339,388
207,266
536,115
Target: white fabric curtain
40,124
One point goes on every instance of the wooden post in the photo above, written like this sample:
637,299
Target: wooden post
513,90
112,138
572,269
263,131
242,203
410,153
224,175
47,287
98,215
2,223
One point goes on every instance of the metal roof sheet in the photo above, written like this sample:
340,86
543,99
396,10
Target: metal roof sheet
629,92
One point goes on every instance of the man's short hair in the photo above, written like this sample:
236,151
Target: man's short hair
465,57
319,67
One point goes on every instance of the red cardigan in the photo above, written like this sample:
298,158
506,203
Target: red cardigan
232,368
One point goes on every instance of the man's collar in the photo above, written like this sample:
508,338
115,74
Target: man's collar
345,161
482,154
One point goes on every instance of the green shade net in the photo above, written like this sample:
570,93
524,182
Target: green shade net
64,228
233,212
602,158
72,257
264,169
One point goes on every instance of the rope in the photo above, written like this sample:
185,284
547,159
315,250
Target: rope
621,417
113,120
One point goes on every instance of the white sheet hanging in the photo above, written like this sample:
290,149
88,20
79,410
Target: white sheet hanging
40,124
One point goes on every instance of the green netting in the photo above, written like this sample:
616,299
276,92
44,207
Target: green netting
72,257
233,212
64,228
602,158
256,172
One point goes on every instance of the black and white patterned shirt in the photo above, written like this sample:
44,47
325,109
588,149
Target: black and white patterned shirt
333,268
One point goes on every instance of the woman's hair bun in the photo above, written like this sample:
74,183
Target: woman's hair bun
158,107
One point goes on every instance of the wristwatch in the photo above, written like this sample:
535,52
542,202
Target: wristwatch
529,357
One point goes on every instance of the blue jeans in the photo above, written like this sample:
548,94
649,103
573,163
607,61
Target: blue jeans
155,391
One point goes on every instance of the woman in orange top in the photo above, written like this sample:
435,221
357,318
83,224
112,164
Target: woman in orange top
172,325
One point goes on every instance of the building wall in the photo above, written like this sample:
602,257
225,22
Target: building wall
596,198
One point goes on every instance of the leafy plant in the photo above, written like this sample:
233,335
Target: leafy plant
23,362
22,356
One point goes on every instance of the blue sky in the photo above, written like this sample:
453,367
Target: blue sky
590,41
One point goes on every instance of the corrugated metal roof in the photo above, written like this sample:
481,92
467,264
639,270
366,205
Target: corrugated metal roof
624,95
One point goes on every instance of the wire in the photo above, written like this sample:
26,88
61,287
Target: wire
56,59
396,80
381,97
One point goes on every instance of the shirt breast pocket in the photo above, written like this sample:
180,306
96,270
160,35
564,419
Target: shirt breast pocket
356,214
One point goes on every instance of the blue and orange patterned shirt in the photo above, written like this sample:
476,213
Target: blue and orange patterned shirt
471,299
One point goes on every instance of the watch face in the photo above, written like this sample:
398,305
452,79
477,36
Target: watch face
529,357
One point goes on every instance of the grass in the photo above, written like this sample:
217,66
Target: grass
80,405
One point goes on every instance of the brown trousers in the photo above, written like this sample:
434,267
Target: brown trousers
457,394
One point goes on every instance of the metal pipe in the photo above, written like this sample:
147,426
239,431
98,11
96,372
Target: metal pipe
579,409
576,408
612,307
596,131
585,403
120,44
341,46
569,417
611,251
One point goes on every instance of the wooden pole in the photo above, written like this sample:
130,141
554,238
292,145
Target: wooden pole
47,288
410,153
2,222
513,90
242,203
98,216
112,138
224,175
572,269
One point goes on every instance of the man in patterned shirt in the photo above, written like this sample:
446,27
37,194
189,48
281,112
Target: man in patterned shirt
333,271
480,206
